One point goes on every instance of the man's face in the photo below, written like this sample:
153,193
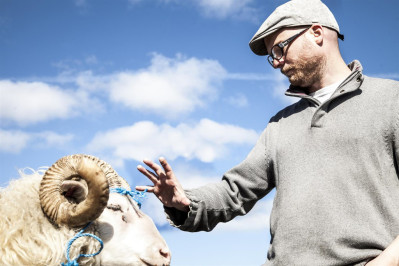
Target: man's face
300,63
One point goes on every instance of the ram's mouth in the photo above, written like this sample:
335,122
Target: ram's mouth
145,262
150,264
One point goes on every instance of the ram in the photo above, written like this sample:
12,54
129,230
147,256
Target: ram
78,212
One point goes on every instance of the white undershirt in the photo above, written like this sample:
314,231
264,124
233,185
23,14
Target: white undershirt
325,93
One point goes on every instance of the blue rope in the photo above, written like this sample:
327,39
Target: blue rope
137,196
80,234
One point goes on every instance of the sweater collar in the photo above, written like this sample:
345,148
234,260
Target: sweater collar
354,66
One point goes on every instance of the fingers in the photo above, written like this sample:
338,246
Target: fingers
148,188
148,174
166,166
157,169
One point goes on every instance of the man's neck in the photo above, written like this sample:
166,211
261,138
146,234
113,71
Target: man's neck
334,72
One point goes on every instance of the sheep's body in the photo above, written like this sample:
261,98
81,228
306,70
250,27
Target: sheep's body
26,235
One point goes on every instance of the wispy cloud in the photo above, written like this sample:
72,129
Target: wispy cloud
228,8
257,218
219,9
205,141
251,76
277,82
237,100
191,177
14,141
80,3
53,139
26,103
72,64
280,85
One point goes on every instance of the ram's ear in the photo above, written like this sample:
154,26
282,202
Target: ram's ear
74,191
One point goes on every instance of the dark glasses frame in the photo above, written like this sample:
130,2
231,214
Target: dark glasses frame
273,54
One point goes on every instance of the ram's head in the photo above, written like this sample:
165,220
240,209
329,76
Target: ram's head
76,191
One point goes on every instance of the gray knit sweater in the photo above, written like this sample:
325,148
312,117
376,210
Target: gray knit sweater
335,170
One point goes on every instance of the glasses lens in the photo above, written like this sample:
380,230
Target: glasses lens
277,52
270,59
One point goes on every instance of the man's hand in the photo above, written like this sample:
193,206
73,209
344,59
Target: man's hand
389,257
166,186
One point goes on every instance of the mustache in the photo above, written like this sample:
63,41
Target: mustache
284,71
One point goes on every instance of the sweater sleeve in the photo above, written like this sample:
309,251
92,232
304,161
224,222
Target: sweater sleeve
396,140
236,194
396,127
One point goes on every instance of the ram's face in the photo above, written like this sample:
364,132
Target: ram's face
130,237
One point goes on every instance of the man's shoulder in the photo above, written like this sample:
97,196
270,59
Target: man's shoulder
381,82
381,87
290,110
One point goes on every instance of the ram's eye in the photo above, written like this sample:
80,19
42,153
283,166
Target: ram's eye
115,207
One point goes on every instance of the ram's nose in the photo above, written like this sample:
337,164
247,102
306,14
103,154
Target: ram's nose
158,254
165,253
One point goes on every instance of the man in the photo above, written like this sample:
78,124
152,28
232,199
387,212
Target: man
332,156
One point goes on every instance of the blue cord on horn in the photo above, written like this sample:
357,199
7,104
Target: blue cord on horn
80,234
137,196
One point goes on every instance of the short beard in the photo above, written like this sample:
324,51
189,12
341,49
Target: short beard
307,71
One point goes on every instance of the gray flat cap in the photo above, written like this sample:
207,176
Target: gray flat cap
292,14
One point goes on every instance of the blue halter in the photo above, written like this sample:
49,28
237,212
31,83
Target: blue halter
137,196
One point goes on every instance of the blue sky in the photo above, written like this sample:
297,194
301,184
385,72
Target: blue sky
132,79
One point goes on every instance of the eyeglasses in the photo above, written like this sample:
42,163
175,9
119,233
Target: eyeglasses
277,51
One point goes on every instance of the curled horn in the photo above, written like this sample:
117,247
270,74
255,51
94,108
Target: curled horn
57,207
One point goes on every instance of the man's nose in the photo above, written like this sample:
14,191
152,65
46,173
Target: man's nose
278,63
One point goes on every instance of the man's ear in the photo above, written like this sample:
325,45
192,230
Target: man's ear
318,33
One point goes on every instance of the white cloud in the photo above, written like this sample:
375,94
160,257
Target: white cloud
52,139
280,85
14,141
170,86
257,218
221,9
31,102
70,65
132,2
80,3
91,60
87,81
252,76
227,8
206,141
237,100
